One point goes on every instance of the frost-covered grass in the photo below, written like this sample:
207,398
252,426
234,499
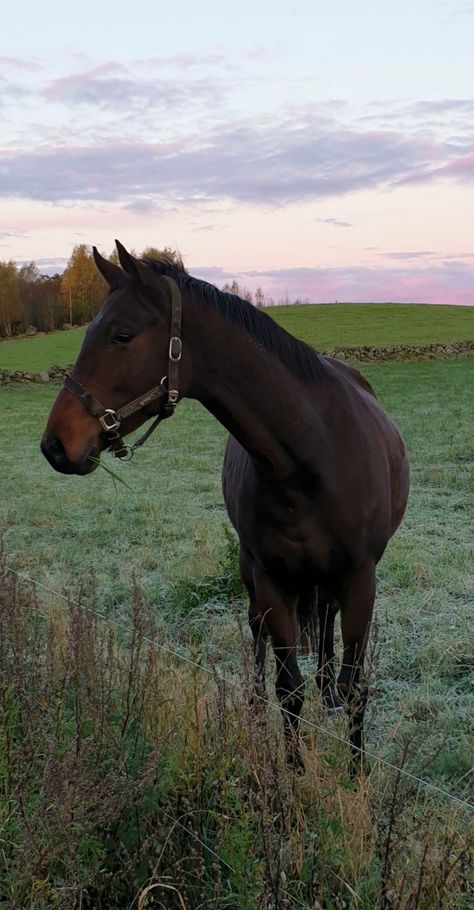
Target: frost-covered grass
166,537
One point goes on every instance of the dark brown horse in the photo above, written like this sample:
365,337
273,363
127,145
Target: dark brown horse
315,473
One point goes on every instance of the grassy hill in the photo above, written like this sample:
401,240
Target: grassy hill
324,326
352,324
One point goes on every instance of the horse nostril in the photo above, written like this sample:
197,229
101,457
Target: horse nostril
56,448
53,450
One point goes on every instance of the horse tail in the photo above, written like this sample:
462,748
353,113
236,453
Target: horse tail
307,612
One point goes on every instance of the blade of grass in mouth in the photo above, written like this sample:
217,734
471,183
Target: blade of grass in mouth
115,477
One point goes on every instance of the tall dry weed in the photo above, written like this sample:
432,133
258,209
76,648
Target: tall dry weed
133,779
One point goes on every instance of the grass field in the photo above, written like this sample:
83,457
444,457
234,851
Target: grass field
166,535
380,324
324,326
41,351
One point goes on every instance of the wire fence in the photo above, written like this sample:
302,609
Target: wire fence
457,800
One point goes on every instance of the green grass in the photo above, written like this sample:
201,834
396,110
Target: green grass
170,528
37,353
353,324
324,326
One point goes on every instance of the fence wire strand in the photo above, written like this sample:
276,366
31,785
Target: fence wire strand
233,684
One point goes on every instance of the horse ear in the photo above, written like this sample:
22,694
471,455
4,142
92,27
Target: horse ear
111,272
127,261
133,267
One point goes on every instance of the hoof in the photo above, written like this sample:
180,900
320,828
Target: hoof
294,759
358,766
333,705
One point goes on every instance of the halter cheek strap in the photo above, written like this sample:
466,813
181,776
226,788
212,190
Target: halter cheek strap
168,390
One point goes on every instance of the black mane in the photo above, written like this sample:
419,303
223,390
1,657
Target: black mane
301,359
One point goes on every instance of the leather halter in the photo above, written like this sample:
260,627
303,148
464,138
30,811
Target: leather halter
168,390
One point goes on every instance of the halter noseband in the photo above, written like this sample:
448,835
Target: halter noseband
110,420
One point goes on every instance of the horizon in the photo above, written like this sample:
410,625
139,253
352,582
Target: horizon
319,153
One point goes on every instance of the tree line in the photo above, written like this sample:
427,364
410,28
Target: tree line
30,301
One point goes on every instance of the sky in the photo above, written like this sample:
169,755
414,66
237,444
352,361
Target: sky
322,150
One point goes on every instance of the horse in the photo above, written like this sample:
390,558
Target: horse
315,473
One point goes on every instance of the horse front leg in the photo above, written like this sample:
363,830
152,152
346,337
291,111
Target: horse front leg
281,622
259,634
357,602
257,627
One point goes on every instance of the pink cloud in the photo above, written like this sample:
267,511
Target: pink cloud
445,284
110,87
21,64
460,169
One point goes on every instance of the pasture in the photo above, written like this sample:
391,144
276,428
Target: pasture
324,326
206,813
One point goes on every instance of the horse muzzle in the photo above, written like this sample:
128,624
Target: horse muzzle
54,452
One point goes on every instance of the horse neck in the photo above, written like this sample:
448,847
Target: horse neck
251,392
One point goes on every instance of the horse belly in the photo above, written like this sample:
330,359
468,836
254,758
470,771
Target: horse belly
304,552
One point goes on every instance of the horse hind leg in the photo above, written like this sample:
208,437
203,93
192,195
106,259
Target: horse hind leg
317,609
357,603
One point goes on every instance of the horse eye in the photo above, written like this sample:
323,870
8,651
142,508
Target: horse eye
121,338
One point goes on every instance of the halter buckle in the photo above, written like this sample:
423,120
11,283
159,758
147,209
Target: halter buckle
109,420
175,349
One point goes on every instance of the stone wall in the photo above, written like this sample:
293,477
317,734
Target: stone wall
368,353
363,354
54,373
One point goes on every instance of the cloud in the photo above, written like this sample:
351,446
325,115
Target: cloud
108,87
209,227
20,63
4,235
445,284
11,92
47,266
412,254
461,169
266,166
297,157
184,61
460,10
334,222
441,106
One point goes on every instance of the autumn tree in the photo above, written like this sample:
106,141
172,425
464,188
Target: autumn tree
28,277
10,304
82,287
152,252
47,304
